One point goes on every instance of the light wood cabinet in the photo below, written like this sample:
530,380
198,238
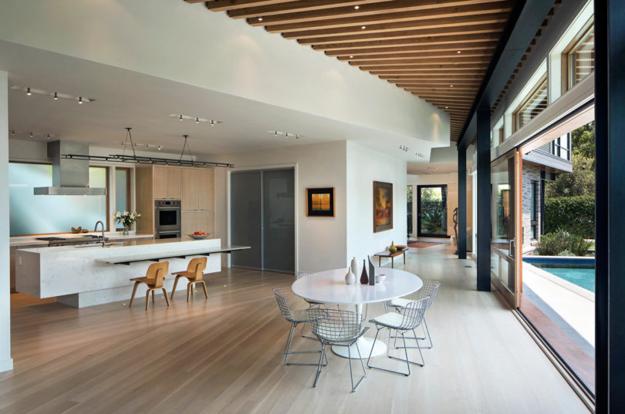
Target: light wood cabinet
167,182
197,189
194,187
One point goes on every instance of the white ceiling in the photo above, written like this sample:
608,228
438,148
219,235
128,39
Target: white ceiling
129,99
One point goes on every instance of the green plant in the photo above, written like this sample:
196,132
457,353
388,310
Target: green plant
575,215
562,243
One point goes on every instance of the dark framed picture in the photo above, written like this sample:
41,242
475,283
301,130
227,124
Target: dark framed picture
382,206
320,202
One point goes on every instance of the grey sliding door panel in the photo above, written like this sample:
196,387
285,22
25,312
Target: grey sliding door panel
245,218
278,220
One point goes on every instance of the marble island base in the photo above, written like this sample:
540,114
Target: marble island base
82,276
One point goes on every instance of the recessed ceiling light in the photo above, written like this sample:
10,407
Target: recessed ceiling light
451,85
458,52
260,19
351,56
356,7
446,107
363,27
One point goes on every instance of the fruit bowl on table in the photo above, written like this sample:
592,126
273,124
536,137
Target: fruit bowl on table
199,236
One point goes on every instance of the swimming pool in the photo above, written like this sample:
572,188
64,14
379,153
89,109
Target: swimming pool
577,270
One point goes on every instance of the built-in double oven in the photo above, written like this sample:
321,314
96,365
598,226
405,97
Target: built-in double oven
167,219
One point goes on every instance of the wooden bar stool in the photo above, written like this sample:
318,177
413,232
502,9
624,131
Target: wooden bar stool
194,275
154,280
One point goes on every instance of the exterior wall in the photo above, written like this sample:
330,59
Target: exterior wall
530,173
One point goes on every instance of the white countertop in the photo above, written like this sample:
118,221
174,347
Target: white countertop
18,241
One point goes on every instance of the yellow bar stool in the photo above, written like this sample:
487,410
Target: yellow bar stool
153,278
194,275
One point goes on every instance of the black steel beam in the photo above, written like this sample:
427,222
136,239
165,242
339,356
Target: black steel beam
525,20
610,199
483,200
462,203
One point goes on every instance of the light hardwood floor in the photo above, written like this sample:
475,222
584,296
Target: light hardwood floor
224,355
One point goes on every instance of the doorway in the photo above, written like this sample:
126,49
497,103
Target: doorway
262,215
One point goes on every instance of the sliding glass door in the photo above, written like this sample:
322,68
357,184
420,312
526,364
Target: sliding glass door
505,247
262,215
432,210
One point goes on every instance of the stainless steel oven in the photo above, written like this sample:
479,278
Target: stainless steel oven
167,218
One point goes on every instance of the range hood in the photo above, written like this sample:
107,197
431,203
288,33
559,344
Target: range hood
69,176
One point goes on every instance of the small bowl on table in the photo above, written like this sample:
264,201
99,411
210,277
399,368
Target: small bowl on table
199,236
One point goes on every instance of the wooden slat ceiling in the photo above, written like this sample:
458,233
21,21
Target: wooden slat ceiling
436,49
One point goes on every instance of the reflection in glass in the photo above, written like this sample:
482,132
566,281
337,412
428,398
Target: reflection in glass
409,208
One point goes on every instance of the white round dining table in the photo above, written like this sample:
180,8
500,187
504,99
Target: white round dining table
329,287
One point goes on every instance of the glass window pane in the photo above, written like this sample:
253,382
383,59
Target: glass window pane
32,214
432,211
122,203
582,58
533,106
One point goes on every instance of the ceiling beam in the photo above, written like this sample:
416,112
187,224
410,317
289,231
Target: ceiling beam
280,24
223,5
451,55
425,61
301,6
308,10
487,46
441,39
404,34
432,24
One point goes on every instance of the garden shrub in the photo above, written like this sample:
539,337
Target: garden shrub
562,243
575,215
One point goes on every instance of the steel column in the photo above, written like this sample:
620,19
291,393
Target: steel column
462,202
483,199
610,199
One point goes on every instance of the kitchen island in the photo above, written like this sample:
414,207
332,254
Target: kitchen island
82,276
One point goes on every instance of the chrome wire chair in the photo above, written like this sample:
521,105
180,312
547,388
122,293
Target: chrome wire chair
406,320
336,327
429,289
294,317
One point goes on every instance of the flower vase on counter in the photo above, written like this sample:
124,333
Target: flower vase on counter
363,277
127,219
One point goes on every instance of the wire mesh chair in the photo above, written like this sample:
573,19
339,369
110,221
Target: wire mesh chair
294,317
429,289
406,320
336,327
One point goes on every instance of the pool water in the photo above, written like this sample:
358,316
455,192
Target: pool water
580,276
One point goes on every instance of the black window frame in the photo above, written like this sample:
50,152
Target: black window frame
443,188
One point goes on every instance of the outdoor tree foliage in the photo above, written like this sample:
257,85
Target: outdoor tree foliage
582,180
574,214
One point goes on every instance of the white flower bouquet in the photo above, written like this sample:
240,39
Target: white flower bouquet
126,218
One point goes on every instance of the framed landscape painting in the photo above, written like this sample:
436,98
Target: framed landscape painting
382,206
320,202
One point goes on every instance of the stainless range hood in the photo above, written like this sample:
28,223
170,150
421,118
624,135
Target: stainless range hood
69,176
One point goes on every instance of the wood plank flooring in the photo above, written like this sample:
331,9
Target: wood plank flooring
224,356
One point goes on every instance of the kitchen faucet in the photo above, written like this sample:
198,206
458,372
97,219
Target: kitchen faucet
96,229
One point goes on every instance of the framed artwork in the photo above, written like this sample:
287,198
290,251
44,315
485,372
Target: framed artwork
320,202
382,206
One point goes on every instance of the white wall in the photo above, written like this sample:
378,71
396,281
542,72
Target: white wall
451,180
363,167
6,362
320,241
187,43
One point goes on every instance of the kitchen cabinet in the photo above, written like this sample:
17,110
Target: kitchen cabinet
197,189
167,182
